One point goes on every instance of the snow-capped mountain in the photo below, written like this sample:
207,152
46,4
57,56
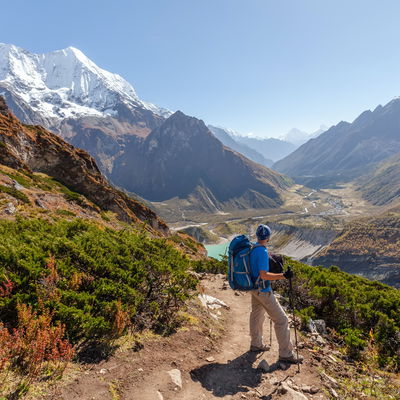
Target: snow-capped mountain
65,84
137,145
298,137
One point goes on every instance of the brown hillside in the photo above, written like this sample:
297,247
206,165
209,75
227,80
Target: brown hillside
35,149
368,247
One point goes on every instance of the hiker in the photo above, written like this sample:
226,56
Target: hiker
263,300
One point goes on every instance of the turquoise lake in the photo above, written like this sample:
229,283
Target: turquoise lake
216,250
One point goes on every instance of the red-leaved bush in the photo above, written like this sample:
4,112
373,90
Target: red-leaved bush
33,344
6,288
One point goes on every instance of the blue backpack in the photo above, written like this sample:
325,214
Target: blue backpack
239,271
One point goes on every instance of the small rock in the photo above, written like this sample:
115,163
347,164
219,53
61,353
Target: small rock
176,377
225,286
295,387
39,204
243,396
333,381
311,326
140,369
283,389
309,389
237,294
103,371
10,209
17,186
314,390
274,381
160,396
264,366
319,340
294,394
211,302
331,358
210,359
320,326
334,393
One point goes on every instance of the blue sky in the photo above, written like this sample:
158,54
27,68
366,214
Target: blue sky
255,66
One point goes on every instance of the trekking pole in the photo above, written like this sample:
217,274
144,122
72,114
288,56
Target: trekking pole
270,333
294,320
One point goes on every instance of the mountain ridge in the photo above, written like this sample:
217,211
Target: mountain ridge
186,146
33,148
348,149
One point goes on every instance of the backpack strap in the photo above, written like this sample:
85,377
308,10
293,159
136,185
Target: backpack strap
259,283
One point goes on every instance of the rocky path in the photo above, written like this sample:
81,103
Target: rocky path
194,365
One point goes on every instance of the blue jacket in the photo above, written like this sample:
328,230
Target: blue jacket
259,261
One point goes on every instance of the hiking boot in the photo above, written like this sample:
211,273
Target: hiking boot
259,348
292,359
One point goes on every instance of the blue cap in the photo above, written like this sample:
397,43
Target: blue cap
263,232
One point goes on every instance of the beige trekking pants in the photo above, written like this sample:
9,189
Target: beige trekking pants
261,302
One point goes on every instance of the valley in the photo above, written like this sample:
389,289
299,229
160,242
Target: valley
307,227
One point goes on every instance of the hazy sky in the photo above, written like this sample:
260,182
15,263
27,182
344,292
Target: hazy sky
255,66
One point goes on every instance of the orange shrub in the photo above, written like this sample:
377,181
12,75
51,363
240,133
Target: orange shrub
34,343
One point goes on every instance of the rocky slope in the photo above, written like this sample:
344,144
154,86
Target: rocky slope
348,150
382,185
368,247
300,243
182,159
32,148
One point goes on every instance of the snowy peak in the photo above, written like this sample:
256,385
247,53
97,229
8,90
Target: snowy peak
65,83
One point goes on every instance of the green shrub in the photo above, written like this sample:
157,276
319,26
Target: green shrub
305,315
212,265
91,269
354,342
65,213
15,193
21,178
354,307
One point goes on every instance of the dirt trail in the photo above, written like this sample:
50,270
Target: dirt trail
210,369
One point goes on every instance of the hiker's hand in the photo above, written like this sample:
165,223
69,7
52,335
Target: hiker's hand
288,274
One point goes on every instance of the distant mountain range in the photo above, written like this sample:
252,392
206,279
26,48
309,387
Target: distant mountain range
140,147
347,150
265,151
232,141
272,148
